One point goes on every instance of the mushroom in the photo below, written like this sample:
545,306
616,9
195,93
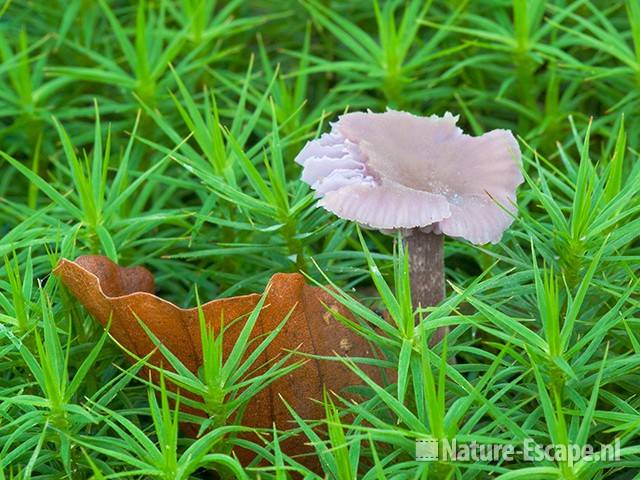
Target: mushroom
422,176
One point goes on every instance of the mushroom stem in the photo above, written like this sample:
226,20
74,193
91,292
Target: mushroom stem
426,271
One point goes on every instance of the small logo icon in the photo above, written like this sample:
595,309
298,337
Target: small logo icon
426,450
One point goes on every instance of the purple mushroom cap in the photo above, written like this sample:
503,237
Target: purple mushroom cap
395,170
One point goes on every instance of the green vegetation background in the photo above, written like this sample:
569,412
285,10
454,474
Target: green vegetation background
163,133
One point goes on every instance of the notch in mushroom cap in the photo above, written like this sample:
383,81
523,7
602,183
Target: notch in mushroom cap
420,175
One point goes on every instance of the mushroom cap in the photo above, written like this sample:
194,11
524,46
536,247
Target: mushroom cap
395,170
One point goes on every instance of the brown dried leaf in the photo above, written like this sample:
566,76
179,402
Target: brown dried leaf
110,291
